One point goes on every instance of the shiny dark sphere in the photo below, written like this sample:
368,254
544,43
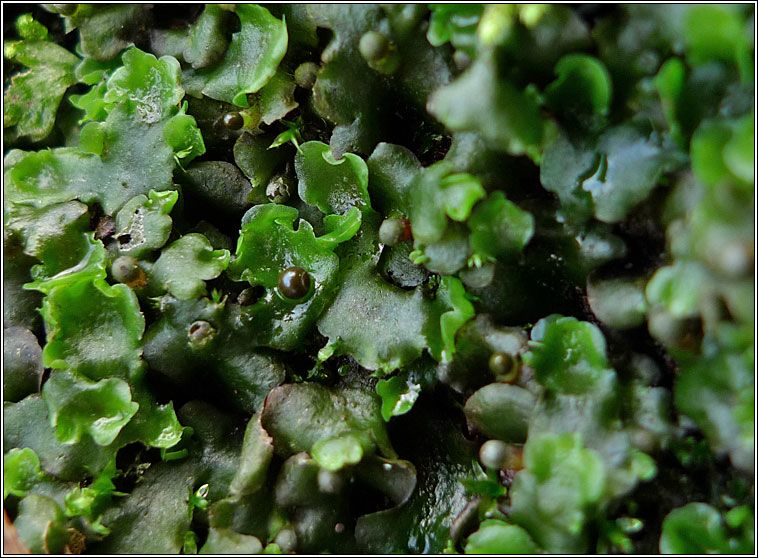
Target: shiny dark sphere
233,121
294,282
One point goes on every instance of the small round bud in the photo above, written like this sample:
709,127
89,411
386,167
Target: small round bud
685,334
461,60
735,260
374,46
493,454
251,295
294,282
286,539
233,121
305,74
126,269
393,231
504,367
200,333
329,482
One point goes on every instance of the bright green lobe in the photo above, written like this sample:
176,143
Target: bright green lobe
695,528
268,245
32,98
250,60
583,86
499,228
713,33
677,288
335,453
570,356
495,108
131,156
21,471
93,328
143,224
151,86
545,502
186,264
29,29
183,136
398,396
334,186
461,192
497,537
670,84
427,214
78,407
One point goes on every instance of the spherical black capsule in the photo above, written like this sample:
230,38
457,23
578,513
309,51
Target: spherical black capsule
294,282
493,454
126,269
504,367
200,333
305,74
392,231
374,46
233,121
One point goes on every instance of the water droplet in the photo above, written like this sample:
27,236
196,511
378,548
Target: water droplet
387,466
